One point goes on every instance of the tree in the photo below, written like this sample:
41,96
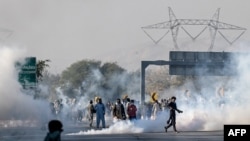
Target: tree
92,78
78,72
110,69
41,66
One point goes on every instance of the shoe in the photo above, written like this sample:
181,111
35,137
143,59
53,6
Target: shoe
177,132
166,129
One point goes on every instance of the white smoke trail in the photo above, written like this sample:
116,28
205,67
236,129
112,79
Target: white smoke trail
126,126
117,128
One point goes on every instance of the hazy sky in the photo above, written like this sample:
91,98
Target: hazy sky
66,31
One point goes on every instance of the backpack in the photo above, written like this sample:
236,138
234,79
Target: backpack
93,109
132,110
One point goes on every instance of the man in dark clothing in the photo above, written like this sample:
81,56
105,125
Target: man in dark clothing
119,110
172,116
91,111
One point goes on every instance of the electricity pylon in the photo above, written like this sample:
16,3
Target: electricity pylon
214,25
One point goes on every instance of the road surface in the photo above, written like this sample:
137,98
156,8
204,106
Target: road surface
38,134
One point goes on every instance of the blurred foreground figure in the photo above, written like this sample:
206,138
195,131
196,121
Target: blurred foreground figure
172,116
55,130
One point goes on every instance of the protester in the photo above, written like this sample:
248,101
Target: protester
128,101
155,109
91,111
172,116
100,113
131,110
119,110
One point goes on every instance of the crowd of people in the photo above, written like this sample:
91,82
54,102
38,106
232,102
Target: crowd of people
127,109
121,109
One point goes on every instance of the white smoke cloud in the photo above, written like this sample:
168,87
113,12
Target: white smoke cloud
206,110
201,114
15,105
117,128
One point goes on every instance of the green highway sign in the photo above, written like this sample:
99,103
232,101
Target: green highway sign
27,72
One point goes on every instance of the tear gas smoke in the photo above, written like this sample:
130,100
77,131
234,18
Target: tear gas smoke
14,104
212,102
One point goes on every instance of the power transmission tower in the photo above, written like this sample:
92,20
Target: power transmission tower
174,24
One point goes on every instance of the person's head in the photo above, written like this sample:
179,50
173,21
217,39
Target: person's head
118,100
132,101
55,125
128,99
99,100
91,102
173,98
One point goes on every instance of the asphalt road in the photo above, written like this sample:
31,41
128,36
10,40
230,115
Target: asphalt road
38,133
